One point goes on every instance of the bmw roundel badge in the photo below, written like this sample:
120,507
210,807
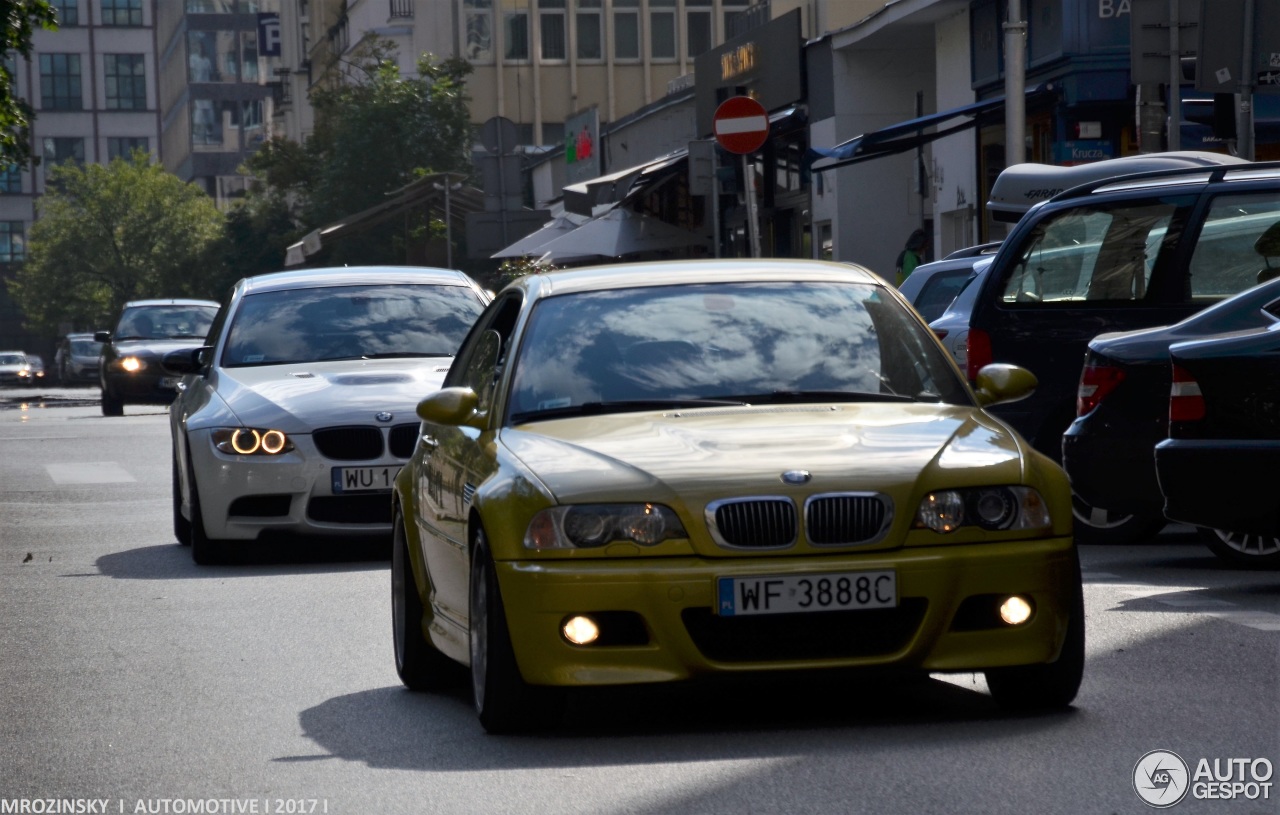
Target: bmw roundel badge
796,477
383,416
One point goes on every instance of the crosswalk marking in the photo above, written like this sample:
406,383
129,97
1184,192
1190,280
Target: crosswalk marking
1189,599
88,472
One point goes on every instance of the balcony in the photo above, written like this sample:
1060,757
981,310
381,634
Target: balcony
401,9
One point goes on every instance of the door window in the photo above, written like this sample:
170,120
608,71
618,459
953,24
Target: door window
1230,255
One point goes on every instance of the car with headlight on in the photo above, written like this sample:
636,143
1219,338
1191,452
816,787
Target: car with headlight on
658,472
14,370
295,417
130,371
77,359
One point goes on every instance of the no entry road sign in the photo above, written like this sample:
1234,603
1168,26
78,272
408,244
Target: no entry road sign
741,125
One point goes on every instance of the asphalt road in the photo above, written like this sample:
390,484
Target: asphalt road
130,676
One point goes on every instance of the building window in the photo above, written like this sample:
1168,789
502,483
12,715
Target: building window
479,30
731,14
402,9
551,27
122,12
126,79
13,241
662,29
123,146
515,29
11,179
60,82
206,124
68,12
626,29
249,57
590,30
698,34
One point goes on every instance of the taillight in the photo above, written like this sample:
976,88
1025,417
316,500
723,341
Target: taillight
1186,403
940,333
978,347
1096,381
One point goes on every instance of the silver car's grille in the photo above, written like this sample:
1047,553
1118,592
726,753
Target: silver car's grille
356,443
761,522
842,519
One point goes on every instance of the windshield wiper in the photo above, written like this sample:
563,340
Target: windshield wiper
794,397
394,354
622,406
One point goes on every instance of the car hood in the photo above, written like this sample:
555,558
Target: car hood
158,348
297,398
895,449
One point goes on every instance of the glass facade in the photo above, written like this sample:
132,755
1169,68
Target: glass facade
125,76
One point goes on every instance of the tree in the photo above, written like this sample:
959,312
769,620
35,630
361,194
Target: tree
374,133
108,234
21,19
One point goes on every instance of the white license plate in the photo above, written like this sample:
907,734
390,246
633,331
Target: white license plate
170,382
363,479
790,594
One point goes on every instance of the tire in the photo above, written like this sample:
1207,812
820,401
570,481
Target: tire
112,405
1052,686
1097,525
421,667
181,526
1243,550
503,701
205,551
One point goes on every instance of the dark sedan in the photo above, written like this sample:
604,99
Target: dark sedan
130,372
1123,412
1217,468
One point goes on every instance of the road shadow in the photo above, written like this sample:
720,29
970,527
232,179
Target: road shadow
697,722
252,559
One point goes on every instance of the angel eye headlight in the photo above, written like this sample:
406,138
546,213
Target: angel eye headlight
591,525
250,441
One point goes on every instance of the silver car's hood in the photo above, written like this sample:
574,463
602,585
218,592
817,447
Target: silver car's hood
297,398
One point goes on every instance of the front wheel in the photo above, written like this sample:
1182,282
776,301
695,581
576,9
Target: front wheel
419,664
1098,525
204,550
1051,686
181,526
112,405
1243,549
503,701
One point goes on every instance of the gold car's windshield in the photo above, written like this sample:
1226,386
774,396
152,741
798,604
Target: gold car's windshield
743,343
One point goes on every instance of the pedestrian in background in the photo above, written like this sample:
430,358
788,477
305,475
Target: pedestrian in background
911,256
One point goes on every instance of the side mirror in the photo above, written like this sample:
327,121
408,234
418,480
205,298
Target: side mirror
1001,382
450,406
102,336
184,360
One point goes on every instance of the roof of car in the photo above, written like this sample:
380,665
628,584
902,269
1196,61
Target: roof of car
170,301
1022,186
675,272
353,275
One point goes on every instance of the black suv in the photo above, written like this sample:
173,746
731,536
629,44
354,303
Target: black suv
1119,254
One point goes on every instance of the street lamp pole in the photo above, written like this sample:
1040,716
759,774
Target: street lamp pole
1015,81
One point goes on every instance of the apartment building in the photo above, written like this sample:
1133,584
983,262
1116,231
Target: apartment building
92,84
217,63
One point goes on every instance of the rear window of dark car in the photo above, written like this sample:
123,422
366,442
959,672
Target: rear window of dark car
938,292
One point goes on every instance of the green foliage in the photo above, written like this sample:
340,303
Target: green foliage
21,18
106,235
374,133
514,269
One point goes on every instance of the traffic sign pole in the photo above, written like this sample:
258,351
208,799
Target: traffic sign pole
741,126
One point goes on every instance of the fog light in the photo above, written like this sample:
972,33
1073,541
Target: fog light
1015,610
580,630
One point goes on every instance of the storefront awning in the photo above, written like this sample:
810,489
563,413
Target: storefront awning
910,134
585,196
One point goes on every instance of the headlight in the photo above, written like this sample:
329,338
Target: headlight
131,364
987,507
591,525
250,441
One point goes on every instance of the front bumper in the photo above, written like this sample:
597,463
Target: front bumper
142,388
681,637
243,497
1220,484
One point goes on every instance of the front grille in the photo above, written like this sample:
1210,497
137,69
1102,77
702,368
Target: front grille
403,439
372,508
260,506
355,443
792,637
753,523
833,520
